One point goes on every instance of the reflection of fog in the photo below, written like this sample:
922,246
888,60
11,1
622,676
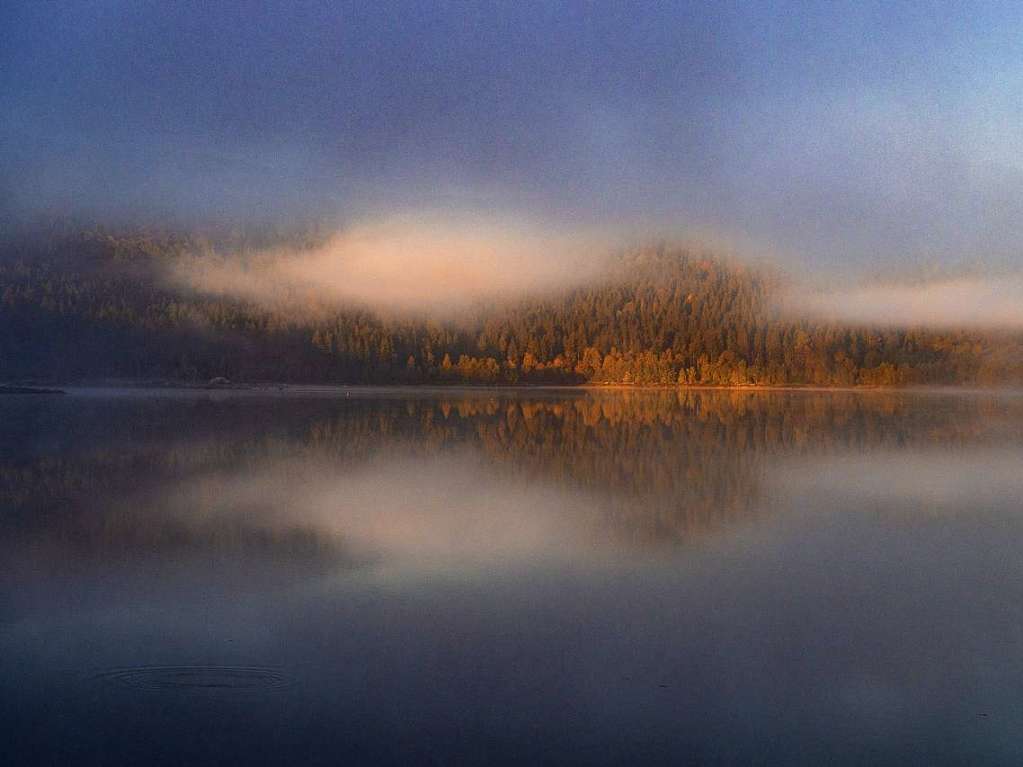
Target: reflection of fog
934,481
480,474
452,506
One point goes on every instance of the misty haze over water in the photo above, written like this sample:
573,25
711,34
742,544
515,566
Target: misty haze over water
511,576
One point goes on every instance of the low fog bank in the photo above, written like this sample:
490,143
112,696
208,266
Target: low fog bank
439,264
442,262
423,263
975,302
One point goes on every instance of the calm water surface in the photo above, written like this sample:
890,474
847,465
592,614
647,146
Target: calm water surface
463,577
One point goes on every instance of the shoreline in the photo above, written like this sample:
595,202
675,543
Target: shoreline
279,387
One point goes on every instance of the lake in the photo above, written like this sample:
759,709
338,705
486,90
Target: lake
405,576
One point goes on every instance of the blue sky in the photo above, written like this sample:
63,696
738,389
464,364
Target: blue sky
858,136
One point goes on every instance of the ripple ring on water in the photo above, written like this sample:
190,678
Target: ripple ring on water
213,679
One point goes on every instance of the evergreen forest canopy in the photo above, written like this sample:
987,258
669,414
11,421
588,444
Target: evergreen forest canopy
88,305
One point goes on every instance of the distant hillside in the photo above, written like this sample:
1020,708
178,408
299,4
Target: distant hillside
88,305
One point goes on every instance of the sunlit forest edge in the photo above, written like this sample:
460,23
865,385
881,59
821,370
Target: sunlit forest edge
88,305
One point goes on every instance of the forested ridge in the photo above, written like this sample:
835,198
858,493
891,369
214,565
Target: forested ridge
90,305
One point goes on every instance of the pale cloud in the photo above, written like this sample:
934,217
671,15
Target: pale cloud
420,262
966,302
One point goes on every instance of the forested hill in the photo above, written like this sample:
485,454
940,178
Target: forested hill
89,305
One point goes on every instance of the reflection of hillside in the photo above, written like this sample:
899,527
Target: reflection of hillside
667,464
655,465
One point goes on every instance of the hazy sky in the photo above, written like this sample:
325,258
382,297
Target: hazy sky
859,135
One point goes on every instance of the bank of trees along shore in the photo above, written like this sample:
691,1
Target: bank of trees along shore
93,305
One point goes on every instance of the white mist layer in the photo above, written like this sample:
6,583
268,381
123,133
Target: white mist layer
968,302
415,262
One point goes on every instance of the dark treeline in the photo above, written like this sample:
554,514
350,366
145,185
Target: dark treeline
91,305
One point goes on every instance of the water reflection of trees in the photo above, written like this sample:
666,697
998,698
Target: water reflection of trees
654,465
